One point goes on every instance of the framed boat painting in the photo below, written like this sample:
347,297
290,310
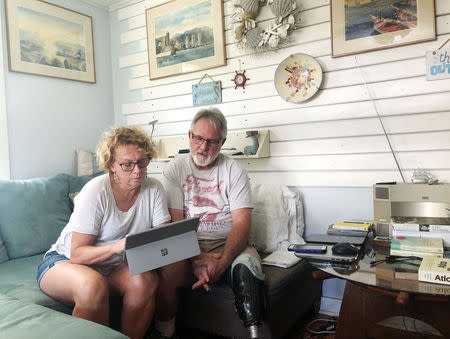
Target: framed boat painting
49,40
185,36
365,25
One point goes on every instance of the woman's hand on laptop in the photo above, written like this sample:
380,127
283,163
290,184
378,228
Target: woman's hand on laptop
119,246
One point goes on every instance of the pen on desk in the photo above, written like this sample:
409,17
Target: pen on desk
387,183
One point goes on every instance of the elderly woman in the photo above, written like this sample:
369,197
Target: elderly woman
86,264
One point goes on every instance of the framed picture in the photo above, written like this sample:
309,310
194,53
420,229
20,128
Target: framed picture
49,40
185,36
366,25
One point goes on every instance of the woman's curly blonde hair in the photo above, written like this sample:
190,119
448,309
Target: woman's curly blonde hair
121,136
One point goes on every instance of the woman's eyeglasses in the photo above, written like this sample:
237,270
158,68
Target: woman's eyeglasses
198,140
129,166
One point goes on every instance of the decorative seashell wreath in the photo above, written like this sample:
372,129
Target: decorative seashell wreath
246,28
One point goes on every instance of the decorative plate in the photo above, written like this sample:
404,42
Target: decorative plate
298,77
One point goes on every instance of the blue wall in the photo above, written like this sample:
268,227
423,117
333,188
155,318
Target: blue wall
48,118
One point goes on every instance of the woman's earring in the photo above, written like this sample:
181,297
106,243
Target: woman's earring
114,178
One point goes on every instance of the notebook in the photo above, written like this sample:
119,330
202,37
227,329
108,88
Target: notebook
162,245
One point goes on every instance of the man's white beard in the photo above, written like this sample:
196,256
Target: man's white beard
204,161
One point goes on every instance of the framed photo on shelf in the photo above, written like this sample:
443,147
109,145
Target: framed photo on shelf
49,40
366,25
185,36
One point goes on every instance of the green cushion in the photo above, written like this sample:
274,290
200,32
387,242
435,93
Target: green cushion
33,213
19,319
18,280
77,183
3,254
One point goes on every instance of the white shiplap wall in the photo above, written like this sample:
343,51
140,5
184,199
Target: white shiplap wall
333,139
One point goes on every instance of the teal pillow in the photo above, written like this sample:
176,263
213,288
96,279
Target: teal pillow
77,183
3,254
32,213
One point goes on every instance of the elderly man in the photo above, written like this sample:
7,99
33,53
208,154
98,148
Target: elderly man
214,187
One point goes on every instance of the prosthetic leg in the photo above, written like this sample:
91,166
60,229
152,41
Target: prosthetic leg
248,298
248,289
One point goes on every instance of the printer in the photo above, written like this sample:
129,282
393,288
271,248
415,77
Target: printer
410,203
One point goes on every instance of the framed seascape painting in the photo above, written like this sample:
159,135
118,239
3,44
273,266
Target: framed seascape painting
185,36
49,40
366,25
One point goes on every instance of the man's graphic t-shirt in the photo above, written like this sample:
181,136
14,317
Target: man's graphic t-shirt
209,194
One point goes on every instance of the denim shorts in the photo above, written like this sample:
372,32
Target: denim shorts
50,259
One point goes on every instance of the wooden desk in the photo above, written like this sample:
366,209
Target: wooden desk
365,309
374,307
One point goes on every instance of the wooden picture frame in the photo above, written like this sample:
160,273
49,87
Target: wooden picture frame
49,40
185,36
366,25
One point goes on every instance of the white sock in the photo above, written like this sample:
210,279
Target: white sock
166,328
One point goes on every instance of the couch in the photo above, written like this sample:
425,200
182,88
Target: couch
34,211
32,214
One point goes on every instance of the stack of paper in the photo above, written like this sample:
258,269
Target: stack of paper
281,258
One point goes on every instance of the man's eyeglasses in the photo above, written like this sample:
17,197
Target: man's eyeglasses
129,166
198,140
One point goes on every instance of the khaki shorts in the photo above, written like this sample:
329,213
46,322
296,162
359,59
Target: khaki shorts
249,256
214,246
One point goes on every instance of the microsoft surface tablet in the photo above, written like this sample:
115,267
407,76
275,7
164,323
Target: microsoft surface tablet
162,245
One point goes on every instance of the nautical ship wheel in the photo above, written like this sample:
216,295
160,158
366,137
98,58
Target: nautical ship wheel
240,79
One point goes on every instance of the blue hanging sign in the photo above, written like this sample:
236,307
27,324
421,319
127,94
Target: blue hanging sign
438,64
207,93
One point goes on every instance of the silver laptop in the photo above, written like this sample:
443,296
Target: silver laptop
328,256
162,245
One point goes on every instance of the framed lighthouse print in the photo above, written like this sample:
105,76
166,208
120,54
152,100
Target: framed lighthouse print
49,40
365,25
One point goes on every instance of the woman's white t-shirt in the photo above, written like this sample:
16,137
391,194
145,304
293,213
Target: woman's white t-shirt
96,213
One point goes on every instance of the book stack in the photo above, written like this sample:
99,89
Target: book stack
416,246
435,270
423,231
350,228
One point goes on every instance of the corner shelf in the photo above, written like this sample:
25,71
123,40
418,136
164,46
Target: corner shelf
168,147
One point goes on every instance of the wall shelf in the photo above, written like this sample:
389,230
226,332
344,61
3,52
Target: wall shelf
168,147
